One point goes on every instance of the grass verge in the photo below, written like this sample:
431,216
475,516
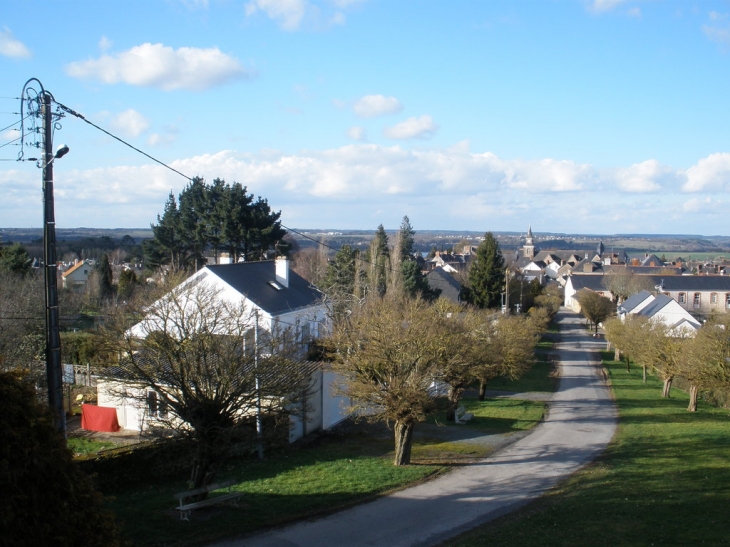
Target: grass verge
335,471
664,480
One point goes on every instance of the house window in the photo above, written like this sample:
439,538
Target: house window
156,407
697,300
306,335
713,299
682,298
727,300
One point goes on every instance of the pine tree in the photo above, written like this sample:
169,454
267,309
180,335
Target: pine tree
486,275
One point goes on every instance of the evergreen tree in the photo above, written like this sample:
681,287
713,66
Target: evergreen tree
14,259
486,275
407,242
194,218
47,499
106,278
166,246
379,257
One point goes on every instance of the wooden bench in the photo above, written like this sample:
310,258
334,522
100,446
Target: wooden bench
461,416
186,508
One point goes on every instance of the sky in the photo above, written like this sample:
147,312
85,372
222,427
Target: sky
569,116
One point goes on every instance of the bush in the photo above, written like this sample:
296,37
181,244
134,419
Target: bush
46,498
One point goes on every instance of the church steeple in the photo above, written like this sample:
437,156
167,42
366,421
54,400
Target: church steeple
528,249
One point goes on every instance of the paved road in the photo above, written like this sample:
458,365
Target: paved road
580,422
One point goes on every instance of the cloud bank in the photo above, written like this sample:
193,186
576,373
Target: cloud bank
362,185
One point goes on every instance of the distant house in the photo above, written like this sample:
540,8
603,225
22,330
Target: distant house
277,296
577,282
76,277
441,279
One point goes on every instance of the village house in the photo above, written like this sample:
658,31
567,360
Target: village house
76,277
277,297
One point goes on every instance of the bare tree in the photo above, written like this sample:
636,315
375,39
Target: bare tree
22,341
502,347
209,366
594,307
708,363
389,351
624,283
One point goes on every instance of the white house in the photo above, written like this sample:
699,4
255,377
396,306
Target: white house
661,308
278,298
76,277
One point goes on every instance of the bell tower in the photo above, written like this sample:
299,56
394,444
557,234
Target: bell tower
528,249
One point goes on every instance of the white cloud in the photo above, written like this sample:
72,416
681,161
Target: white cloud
105,44
710,174
130,123
156,65
161,139
604,5
357,133
422,127
372,106
548,175
11,47
288,13
641,177
718,30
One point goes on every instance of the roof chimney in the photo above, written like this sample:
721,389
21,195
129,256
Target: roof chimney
282,271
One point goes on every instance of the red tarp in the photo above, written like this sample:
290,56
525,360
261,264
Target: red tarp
99,418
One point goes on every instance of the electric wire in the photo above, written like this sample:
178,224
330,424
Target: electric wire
81,117
163,164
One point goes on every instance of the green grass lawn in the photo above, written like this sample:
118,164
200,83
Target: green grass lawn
664,480
335,471
81,446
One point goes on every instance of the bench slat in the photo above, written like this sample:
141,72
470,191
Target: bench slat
204,489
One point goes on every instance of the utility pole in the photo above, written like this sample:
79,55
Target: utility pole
506,290
259,424
53,338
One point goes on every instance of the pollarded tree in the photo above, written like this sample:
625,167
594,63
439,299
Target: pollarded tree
486,274
624,283
707,366
388,352
594,307
208,363
503,347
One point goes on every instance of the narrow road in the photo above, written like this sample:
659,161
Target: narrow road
580,423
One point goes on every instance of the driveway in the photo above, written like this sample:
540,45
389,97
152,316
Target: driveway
581,421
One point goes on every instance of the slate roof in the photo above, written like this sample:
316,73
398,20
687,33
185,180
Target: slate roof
588,281
253,280
438,278
632,301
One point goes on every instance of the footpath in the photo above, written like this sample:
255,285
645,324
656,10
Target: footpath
581,421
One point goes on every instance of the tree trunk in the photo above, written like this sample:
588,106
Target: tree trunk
482,389
643,373
403,442
616,354
453,404
667,386
692,398
628,363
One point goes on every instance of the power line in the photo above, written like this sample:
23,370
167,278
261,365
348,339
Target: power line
81,117
76,114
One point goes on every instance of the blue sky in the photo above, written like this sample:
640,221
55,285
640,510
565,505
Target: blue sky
593,116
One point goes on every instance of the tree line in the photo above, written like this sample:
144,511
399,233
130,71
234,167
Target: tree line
702,359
